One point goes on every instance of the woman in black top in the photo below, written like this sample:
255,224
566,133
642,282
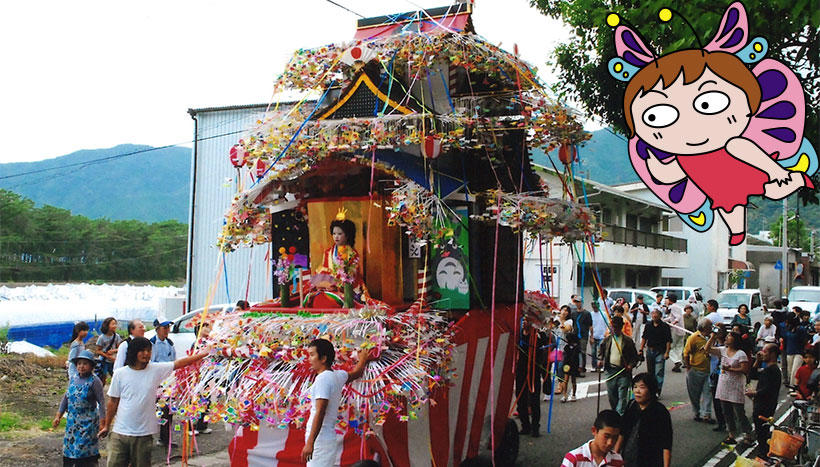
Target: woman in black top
646,431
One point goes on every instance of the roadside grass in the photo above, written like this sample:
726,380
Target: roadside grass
11,421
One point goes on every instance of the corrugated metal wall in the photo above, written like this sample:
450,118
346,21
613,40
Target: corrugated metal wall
212,193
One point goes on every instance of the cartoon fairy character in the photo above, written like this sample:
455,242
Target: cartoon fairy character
706,132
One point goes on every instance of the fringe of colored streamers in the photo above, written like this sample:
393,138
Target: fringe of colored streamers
259,372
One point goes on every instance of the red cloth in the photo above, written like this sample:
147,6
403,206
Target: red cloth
726,181
802,378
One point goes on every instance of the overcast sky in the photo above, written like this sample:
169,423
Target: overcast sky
94,74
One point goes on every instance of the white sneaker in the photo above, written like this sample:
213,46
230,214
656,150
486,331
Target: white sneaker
564,398
572,398
206,431
547,397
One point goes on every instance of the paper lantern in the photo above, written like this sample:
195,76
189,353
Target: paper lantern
431,147
260,168
237,155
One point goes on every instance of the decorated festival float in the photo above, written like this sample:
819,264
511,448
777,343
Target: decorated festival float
397,203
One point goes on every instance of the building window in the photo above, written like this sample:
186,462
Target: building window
646,277
605,276
606,216
632,221
631,279
672,281
673,224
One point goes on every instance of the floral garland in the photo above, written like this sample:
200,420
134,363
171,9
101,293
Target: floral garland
312,68
260,371
345,263
245,223
284,265
538,215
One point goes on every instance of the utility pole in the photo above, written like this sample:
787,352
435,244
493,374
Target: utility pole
784,243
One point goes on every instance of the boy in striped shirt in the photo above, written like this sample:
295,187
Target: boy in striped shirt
598,452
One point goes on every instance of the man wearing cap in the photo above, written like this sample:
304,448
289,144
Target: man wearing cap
163,351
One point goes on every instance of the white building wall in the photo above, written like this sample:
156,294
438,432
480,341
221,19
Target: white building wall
213,188
708,252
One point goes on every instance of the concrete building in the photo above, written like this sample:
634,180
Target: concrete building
711,259
631,252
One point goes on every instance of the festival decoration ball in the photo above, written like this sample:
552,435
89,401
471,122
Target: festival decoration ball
612,19
665,14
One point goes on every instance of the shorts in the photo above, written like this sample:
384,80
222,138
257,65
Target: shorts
134,450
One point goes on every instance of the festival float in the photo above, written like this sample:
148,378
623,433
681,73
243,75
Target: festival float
396,203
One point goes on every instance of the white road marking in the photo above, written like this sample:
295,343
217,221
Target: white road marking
725,452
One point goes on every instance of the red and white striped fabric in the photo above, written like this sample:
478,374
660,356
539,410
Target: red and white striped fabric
455,428
423,284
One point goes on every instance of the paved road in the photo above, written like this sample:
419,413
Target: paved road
695,444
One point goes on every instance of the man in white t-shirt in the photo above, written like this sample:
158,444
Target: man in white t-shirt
675,319
599,450
712,312
132,398
322,446
135,329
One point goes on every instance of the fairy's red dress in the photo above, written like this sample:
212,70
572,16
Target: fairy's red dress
727,181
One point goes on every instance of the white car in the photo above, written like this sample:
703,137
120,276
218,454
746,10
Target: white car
730,299
183,335
807,298
683,294
631,295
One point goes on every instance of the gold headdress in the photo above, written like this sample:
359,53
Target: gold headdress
342,214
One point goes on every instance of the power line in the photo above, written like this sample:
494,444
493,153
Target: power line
345,8
117,156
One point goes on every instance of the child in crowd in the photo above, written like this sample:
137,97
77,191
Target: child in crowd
572,354
600,450
803,374
78,335
85,404
107,344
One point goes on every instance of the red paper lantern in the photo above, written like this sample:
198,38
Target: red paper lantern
260,168
567,154
237,156
431,147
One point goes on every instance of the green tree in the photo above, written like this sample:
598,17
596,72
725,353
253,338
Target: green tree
797,233
790,27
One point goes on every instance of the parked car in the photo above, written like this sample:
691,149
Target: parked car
683,294
730,299
183,335
807,298
630,295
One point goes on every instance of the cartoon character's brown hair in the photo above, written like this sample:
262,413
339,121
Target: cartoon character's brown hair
691,64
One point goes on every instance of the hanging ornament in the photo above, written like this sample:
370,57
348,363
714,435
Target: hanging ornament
260,168
237,155
431,147
567,154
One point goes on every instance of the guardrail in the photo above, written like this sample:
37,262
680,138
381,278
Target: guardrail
627,236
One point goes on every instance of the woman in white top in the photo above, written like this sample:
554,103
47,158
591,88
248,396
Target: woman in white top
734,365
565,328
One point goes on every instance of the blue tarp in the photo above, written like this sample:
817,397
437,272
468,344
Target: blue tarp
53,335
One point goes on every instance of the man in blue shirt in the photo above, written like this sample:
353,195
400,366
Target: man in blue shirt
163,351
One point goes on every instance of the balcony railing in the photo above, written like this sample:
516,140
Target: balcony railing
627,236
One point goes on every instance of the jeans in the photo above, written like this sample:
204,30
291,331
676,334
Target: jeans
617,388
735,416
583,357
655,364
700,392
716,403
593,347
